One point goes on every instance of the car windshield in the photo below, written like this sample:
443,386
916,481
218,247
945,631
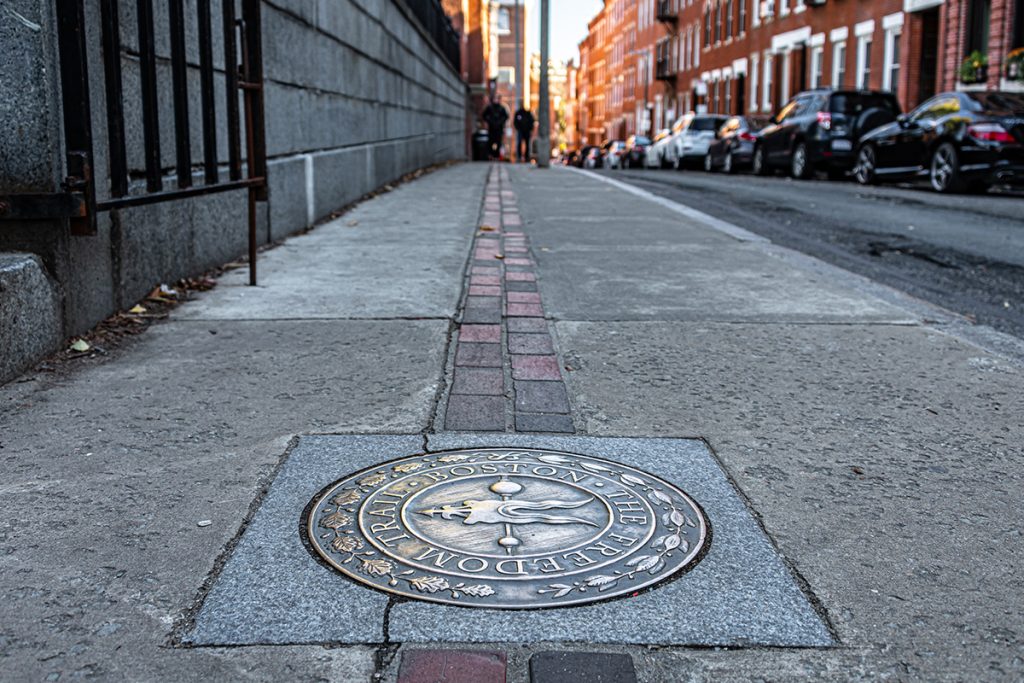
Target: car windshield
641,140
756,124
709,123
1000,101
853,103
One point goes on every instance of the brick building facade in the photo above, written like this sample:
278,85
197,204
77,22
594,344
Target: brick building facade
750,56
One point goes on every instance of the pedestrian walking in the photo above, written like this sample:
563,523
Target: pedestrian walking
495,116
523,123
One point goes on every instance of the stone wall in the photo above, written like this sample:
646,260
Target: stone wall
356,95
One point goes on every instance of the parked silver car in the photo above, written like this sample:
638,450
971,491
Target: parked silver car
691,136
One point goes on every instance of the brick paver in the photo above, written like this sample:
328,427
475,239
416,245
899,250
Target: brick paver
452,666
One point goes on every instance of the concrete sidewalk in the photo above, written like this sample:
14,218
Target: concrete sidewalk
869,453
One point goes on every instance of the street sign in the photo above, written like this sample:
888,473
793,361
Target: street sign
506,528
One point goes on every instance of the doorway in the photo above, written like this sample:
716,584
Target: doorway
929,54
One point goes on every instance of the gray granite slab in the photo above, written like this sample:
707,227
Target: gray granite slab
271,590
741,593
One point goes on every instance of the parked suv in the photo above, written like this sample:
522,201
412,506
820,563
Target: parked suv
959,140
819,129
691,135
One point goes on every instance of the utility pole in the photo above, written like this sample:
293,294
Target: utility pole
544,124
519,64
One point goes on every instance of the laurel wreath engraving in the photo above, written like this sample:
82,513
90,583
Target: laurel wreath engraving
674,519
349,547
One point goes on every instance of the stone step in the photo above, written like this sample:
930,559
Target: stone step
30,317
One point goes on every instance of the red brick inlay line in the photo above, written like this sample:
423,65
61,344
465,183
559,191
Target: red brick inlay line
506,373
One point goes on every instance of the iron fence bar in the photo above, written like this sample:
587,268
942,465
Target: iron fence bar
150,115
231,89
194,191
255,128
206,92
77,125
179,84
117,157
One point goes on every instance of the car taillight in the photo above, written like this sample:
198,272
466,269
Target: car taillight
749,137
989,132
825,120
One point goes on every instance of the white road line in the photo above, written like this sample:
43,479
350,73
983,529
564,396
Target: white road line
734,231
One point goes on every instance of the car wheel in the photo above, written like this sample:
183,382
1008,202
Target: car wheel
727,164
798,166
679,163
709,166
759,165
945,169
864,171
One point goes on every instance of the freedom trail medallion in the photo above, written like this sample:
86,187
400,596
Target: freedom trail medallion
506,528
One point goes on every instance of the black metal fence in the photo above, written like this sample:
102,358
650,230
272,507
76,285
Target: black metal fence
243,73
439,26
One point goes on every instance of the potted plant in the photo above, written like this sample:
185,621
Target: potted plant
1015,65
973,68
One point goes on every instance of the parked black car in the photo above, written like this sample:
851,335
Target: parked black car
733,147
960,140
819,129
636,150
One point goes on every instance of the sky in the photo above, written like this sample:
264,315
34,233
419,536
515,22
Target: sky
568,25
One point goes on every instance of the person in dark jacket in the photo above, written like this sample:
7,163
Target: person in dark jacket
523,123
495,116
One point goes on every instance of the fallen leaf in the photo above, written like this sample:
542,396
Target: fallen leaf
81,345
499,256
487,228
352,223
204,522
137,309
857,470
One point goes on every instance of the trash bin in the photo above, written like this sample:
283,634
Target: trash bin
481,146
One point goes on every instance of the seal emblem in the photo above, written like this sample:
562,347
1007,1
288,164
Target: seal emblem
506,528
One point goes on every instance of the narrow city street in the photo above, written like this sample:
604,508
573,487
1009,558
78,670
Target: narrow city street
962,252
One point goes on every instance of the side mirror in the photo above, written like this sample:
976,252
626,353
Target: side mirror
905,121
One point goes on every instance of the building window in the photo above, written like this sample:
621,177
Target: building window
839,65
783,8
696,47
707,26
786,68
863,62
817,64
727,109
1018,24
728,19
754,73
766,85
755,12
718,22
504,20
742,26
891,75
978,26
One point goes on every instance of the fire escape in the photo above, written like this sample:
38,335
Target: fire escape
665,64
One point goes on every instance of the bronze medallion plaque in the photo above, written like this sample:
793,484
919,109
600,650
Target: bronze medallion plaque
506,528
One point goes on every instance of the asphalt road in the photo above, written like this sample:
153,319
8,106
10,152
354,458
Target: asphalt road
962,252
